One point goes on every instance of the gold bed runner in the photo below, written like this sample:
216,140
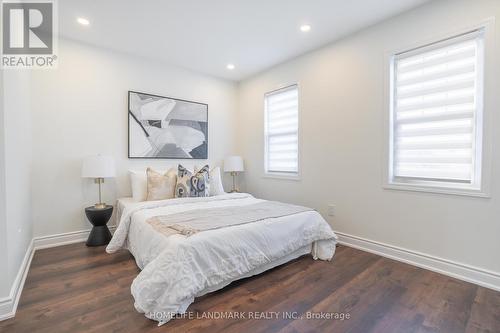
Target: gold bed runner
191,222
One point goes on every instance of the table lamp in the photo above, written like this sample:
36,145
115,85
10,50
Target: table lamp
99,167
233,165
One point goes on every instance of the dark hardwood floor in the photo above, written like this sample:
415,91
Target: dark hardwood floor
74,288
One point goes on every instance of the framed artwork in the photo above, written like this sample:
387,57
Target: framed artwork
165,127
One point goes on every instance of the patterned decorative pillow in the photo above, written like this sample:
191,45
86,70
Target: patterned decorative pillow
189,185
216,187
160,186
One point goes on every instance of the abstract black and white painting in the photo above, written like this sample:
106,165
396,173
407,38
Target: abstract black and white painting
163,127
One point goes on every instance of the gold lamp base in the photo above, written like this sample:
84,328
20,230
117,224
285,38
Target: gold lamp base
234,189
100,205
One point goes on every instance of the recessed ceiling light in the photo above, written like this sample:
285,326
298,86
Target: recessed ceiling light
230,67
82,21
305,28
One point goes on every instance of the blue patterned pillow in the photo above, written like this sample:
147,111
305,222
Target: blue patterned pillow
189,185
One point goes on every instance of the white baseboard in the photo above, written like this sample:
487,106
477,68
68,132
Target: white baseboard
45,242
476,275
8,305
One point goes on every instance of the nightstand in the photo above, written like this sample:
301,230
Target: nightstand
100,234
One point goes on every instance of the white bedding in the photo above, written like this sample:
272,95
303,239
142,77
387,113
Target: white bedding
176,269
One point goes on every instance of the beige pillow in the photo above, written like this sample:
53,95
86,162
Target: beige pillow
161,187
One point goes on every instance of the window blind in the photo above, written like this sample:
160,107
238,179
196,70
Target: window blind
436,110
281,131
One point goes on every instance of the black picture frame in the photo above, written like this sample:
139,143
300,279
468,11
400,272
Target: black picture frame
130,114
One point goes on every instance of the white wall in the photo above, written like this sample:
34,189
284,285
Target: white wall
4,278
342,142
80,109
16,170
18,144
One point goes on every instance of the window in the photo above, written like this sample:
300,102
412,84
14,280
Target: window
282,132
436,114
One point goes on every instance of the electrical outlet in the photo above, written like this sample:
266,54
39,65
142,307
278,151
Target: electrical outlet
331,210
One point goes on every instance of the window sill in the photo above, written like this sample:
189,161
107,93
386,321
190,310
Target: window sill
436,189
282,176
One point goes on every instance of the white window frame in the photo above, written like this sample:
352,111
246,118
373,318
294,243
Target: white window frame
481,188
283,175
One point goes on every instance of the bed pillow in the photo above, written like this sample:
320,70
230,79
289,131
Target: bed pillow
160,186
192,184
216,187
139,185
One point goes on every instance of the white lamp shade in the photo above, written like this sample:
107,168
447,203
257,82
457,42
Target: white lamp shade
233,164
99,166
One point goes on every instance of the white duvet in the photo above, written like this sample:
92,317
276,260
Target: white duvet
176,269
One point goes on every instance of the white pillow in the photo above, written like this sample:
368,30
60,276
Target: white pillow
216,187
139,184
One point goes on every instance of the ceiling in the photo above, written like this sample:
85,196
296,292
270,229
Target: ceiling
206,35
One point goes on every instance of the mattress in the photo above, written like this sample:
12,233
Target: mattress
211,259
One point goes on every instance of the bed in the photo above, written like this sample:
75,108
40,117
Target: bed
177,268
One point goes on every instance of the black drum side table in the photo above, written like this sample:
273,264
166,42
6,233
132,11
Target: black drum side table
100,234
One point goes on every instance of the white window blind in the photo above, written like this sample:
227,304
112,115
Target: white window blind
281,131
437,105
